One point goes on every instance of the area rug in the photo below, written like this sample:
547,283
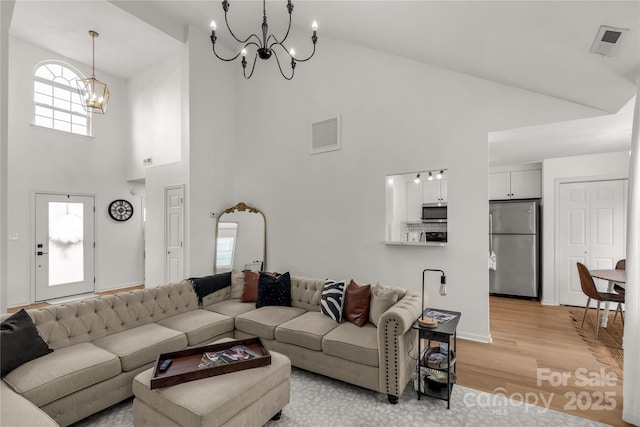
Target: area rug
607,349
318,401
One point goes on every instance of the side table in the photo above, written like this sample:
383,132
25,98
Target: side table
442,334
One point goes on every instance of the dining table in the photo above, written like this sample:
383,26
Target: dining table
614,277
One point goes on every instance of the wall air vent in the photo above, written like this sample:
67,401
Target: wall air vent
607,39
325,135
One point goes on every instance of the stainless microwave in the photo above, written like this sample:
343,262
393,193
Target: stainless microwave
434,212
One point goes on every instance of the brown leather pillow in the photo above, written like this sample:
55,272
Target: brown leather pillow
250,291
356,303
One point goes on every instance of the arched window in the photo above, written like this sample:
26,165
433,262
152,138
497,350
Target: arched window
56,101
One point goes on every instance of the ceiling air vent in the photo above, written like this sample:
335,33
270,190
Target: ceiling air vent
325,135
607,39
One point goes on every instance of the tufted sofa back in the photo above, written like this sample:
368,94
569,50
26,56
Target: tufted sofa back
62,325
306,293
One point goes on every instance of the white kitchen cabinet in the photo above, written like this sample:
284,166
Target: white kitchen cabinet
434,191
525,184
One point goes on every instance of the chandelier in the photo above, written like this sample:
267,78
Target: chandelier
94,94
266,46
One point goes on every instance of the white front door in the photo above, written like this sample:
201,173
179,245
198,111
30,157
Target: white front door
591,231
174,217
64,245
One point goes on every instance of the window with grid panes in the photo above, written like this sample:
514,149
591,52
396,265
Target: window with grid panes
56,101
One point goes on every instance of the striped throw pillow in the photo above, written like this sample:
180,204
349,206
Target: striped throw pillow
332,299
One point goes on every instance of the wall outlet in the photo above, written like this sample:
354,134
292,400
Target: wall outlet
148,161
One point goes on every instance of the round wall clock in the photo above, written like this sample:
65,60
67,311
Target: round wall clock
120,210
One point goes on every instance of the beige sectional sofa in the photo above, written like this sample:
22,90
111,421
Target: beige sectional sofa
101,344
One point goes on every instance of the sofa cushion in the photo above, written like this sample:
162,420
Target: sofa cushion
306,330
20,341
199,325
351,342
356,303
231,307
274,290
63,372
18,411
382,299
306,293
138,346
262,322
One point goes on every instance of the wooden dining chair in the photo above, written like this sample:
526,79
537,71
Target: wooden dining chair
590,290
620,265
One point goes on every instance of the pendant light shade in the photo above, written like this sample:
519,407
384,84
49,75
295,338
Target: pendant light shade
94,94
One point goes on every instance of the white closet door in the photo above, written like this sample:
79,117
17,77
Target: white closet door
590,231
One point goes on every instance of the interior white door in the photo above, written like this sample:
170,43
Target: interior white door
64,245
591,231
174,217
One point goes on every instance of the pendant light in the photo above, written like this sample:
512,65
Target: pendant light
94,94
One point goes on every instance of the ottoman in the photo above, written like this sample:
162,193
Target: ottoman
244,398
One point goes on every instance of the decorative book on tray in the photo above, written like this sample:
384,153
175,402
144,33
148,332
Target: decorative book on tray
234,354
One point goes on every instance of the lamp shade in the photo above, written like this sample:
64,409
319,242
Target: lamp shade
94,95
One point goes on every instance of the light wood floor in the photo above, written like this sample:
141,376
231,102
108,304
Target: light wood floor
528,336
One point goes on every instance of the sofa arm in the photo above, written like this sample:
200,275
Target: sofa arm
396,340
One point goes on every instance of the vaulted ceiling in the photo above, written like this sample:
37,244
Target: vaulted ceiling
538,46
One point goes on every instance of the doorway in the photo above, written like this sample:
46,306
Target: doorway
174,223
591,230
64,245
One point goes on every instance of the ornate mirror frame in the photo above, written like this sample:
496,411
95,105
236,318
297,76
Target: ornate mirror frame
241,207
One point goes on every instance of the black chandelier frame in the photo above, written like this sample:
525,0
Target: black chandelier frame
265,47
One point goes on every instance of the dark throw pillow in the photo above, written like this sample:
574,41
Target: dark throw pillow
21,342
332,299
274,290
356,303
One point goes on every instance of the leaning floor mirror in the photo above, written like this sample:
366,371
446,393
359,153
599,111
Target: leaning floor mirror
241,239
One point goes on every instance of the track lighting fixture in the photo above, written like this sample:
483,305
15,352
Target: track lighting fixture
430,177
417,180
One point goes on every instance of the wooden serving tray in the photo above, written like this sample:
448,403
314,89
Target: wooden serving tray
185,362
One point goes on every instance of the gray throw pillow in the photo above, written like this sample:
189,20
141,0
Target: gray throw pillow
237,283
382,299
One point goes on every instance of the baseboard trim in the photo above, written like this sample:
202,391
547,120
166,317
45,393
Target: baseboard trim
120,286
475,337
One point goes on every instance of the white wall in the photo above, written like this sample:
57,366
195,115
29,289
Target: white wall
211,148
565,169
46,160
6,11
326,213
155,98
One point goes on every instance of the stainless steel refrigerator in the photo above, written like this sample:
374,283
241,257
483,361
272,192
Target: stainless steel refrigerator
514,238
